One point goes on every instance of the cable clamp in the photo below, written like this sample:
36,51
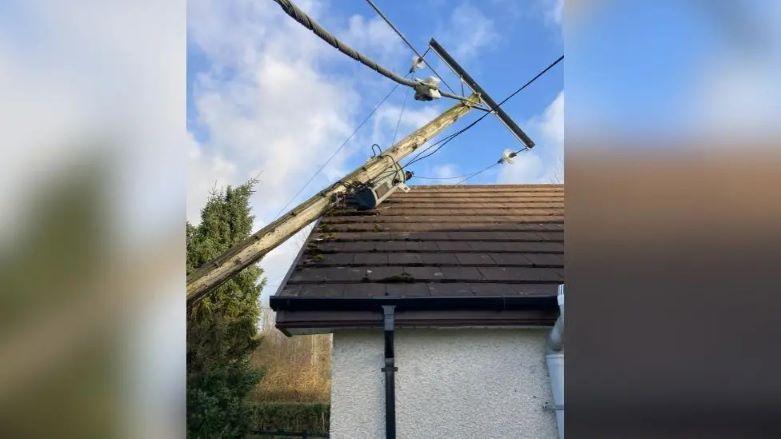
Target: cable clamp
427,89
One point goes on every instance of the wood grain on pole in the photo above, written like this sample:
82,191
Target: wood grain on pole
249,251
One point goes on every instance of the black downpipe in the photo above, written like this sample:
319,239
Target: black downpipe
389,369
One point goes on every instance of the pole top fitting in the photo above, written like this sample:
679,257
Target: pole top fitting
427,89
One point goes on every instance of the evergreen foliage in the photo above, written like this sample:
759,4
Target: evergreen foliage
222,328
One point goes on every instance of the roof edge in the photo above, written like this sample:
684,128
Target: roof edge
544,303
323,322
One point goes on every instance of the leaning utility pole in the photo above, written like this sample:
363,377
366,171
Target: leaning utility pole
214,273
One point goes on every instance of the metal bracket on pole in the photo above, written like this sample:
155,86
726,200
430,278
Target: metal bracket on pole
504,117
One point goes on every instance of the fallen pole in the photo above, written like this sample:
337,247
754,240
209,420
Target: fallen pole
214,273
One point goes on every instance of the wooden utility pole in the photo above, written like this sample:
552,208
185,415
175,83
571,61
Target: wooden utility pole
214,273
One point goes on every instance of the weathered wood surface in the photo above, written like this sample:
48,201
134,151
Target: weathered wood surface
214,273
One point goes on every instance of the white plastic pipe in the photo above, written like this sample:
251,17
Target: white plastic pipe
555,360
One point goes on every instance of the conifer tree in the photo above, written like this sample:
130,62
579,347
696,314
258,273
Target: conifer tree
222,328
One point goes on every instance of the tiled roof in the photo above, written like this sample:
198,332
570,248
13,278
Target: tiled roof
446,242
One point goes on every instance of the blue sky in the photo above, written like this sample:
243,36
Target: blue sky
671,68
268,99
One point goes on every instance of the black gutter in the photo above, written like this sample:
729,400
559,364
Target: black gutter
389,369
294,303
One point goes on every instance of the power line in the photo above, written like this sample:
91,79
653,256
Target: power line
444,141
544,71
479,172
398,32
306,21
422,151
333,154
502,115
474,174
395,133
449,138
443,178
398,122
439,144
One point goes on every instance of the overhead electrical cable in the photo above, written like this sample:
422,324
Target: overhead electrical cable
444,141
403,38
528,83
398,122
443,178
304,19
343,144
437,145
474,174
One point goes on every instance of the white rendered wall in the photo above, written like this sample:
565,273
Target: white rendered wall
459,383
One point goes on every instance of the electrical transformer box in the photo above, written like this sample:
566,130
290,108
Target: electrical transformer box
375,192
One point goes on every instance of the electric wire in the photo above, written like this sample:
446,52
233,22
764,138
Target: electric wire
403,38
401,114
443,178
343,144
466,177
438,145
301,17
449,138
384,172
474,174
528,83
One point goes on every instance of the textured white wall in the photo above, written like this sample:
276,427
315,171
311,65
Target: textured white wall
456,383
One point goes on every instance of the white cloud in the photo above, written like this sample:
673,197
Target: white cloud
374,37
468,31
551,124
442,171
267,106
739,93
207,174
554,11
446,170
544,163
386,118
528,167
550,11
266,109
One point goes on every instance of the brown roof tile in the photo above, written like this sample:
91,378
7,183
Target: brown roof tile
418,289
450,289
405,258
436,242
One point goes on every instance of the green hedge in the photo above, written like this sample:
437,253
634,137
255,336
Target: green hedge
292,417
